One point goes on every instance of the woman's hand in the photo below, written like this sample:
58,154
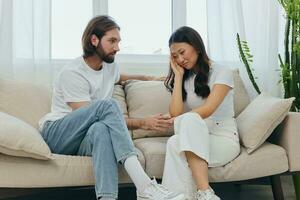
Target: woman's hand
177,69
159,123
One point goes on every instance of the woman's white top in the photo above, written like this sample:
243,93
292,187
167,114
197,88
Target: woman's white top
218,75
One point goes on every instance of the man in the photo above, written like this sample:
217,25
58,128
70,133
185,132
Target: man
84,120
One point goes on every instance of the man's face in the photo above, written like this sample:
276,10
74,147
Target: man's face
109,45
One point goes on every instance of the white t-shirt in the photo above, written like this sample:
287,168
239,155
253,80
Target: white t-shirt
218,75
77,82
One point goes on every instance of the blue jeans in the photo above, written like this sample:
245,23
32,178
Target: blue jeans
98,130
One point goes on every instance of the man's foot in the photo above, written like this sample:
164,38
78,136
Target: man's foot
208,194
156,191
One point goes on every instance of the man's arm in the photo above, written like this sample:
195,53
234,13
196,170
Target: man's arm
156,123
125,77
159,122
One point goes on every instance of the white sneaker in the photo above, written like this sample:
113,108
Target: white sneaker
208,194
156,191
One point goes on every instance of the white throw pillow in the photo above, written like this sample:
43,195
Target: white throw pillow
17,138
260,118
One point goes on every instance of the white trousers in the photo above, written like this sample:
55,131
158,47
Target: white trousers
215,142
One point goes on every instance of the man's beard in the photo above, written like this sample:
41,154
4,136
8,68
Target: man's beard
108,58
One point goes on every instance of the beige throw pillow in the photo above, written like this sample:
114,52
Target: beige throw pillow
146,98
17,138
260,118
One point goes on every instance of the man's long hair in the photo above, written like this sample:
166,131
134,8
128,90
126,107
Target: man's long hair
98,26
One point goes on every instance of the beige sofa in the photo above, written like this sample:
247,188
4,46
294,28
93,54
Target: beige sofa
30,102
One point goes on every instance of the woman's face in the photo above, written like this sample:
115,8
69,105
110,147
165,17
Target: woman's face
184,54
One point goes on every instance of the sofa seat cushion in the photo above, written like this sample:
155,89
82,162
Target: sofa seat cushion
154,150
63,171
245,166
269,159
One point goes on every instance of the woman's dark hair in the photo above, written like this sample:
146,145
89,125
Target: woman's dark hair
99,25
188,35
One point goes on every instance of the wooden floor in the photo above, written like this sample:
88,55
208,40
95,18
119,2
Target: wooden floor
225,191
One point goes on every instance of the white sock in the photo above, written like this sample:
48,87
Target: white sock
137,174
107,198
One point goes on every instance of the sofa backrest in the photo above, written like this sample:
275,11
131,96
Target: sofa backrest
29,101
241,97
149,98
26,101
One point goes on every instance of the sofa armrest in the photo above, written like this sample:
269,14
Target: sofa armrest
289,139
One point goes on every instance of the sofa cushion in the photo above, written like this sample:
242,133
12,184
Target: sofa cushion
249,166
154,150
26,101
62,171
119,95
17,138
260,118
145,98
245,166
241,98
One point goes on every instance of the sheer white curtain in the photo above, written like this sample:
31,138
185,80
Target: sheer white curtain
25,40
257,22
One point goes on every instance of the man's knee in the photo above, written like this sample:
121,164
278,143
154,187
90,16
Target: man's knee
99,131
107,102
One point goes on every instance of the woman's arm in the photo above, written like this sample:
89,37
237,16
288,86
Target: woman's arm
176,106
214,99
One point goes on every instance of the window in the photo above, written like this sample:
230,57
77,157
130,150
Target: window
67,25
196,17
145,25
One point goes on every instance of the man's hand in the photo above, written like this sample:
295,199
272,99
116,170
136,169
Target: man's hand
159,122
154,78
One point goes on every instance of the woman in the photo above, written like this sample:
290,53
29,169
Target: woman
202,107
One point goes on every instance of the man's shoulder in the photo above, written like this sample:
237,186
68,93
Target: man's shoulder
73,64
72,67
70,74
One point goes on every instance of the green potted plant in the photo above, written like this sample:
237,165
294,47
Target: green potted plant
290,66
247,59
